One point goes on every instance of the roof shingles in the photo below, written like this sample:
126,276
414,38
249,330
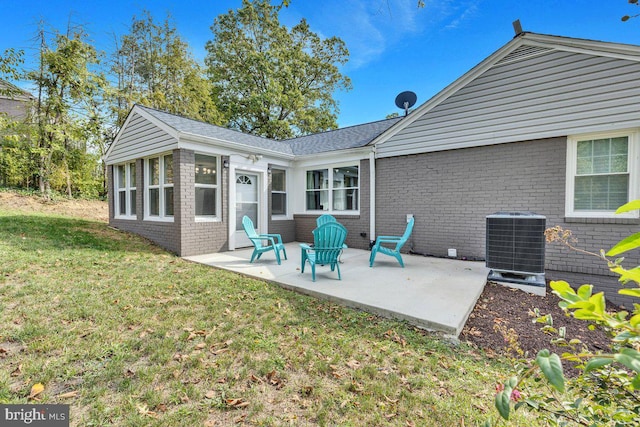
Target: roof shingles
339,139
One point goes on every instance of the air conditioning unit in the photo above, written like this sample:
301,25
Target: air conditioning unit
515,247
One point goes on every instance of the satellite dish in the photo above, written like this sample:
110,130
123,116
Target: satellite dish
406,100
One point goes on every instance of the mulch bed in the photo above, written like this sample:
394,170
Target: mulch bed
502,322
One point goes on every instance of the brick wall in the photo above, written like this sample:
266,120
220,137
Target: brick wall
200,237
450,193
164,234
184,236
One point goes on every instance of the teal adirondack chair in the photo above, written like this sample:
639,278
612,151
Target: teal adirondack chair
328,244
395,241
325,218
275,241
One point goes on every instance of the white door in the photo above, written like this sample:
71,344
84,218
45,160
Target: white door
246,204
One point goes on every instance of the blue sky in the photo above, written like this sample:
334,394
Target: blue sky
394,45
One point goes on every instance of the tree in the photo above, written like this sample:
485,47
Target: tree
273,81
67,88
627,17
152,65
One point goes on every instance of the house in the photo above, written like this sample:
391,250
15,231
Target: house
14,102
546,124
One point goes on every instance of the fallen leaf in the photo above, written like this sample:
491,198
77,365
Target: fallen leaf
237,403
200,346
274,380
480,408
17,372
68,395
143,410
353,364
255,379
391,400
210,394
473,331
36,389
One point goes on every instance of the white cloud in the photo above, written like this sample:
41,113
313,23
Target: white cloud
464,12
370,28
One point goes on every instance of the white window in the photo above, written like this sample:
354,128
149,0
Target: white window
333,189
602,174
125,185
278,192
206,186
159,178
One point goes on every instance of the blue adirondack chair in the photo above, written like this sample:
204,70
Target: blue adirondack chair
396,243
328,244
275,241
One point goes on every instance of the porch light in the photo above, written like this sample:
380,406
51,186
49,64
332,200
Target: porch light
225,163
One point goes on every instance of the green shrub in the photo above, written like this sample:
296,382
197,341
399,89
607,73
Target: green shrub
606,390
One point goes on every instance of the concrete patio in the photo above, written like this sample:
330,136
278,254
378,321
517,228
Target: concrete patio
431,293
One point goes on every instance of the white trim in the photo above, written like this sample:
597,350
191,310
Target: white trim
235,146
372,196
217,216
287,185
261,194
161,217
633,171
330,168
129,215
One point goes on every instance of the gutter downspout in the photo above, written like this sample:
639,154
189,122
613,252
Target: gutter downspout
372,195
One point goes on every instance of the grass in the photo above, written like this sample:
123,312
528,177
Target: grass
129,335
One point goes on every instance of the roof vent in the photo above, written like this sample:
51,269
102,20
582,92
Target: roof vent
517,27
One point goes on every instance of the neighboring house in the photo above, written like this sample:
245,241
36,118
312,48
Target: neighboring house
14,101
546,124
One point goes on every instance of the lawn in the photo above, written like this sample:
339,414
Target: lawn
130,335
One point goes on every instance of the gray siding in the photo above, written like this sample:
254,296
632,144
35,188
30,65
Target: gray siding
544,95
139,139
355,225
450,193
14,108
